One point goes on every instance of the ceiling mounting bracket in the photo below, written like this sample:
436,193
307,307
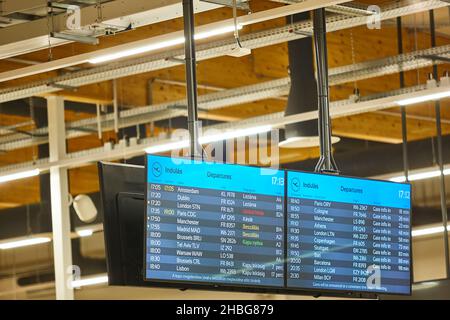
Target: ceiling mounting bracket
303,33
70,36
176,60
326,162
59,5
194,125
62,86
75,37
240,4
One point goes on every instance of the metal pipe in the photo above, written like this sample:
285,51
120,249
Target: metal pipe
99,121
326,162
116,106
191,78
404,119
440,155
403,109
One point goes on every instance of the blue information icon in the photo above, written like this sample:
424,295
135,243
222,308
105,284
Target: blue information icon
295,184
156,169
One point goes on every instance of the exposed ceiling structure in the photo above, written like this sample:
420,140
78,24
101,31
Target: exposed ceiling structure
121,74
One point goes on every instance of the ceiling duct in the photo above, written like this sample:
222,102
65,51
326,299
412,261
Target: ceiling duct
303,95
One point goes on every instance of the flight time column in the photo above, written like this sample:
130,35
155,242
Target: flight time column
154,236
293,241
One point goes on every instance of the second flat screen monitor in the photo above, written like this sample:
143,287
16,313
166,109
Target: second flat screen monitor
214,223
348,234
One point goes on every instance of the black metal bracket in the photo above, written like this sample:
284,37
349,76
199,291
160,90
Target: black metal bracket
326,162
191,80
62,86
240,4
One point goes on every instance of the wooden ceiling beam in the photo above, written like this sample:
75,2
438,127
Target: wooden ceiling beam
85,180
385,128
345,47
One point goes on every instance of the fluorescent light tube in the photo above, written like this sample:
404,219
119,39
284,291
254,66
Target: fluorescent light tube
23,242
428,231
161,45
19,175
232,134
168,146
425,98
85,233
90,281
421,176
215,32
139,50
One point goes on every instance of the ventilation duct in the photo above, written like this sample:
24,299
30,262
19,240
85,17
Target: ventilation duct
303,96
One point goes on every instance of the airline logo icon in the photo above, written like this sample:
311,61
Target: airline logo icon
156,169
295,184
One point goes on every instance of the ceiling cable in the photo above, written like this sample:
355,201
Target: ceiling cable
115,106
236,26
29,229
352,45
99,121
99,12
416,47
49,31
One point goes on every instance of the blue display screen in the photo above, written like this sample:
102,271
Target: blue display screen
348,234
214,223
221,224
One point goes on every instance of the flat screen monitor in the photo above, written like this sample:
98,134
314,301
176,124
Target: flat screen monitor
348,234
214,224
123,205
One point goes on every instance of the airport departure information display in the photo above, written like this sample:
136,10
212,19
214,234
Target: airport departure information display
238,226
214,223
348,234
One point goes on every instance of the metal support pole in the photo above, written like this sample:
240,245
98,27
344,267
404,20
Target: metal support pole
116,106
59,191
326,162
191,78
403,108
440,154
99,121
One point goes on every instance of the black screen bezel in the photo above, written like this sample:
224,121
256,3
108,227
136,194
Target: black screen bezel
377,293
183,284
206,285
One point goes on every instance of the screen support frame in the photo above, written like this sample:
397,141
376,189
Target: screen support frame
326,163
191,80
